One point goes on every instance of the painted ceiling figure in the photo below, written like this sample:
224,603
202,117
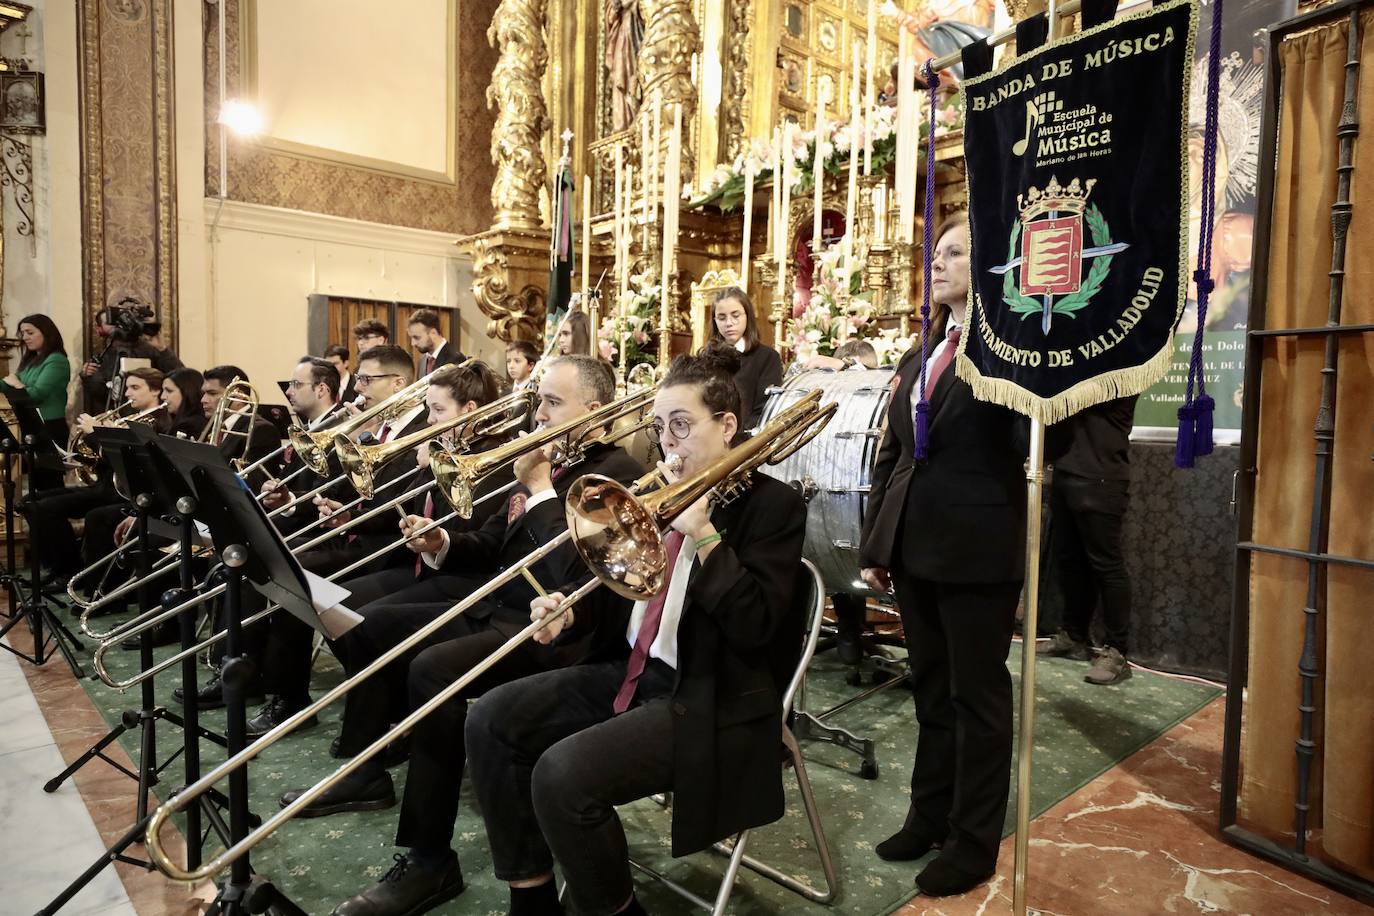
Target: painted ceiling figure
944,26
624,35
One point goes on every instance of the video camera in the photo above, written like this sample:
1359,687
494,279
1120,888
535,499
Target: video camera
130,319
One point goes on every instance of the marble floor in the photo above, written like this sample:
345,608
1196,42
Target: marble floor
1141,838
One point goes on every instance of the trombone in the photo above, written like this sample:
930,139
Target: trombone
441,459
616,532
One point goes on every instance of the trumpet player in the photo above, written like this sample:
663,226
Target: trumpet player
530,517
680,693
50,511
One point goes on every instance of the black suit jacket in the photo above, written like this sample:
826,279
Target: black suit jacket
739,638
383,528
448,355
264,440
496,545
960,516
759,369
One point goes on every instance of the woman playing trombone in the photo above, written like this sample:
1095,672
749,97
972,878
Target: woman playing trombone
680,693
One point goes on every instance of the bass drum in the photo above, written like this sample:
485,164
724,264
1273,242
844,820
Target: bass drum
836,468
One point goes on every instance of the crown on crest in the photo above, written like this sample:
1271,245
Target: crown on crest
1063,199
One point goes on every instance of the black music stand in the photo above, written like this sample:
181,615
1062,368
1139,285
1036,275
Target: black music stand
40,450
254,552
30,606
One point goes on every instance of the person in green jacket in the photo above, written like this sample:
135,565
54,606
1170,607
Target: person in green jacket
43,374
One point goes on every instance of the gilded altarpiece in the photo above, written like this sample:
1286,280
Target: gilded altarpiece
739,68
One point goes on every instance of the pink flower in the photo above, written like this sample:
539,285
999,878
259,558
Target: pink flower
798,308
607,350
947,116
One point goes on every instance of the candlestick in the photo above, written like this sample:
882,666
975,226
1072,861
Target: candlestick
880,214
786,213
853,163
748,224
658,148
618,222
775,203
870,99
672,195
586,234
906,156
818,173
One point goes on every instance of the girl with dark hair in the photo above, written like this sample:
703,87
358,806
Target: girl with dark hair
43,374
181,393
575,338
681,693
733,324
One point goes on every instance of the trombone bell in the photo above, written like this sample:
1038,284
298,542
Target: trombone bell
617,536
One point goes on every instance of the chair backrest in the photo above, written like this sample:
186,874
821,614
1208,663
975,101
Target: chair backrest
812,598
703,296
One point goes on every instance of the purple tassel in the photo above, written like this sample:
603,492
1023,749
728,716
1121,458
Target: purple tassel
1202,442
922,427
1187,429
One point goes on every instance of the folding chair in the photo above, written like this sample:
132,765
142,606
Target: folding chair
814,597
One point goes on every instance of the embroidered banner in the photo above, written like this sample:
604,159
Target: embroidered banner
1078,188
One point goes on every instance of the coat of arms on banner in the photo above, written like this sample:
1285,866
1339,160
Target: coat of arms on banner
1077,180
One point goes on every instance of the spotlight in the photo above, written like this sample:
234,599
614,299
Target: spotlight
242,118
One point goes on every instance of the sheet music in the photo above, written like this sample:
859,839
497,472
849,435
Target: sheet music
328,598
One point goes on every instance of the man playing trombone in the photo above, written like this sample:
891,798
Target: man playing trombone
531,516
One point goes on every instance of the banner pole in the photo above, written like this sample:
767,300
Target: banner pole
1035,476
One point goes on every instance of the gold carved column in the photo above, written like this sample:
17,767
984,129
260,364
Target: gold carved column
671,38
507,259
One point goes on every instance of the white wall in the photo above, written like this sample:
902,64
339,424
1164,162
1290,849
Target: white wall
43,274
264,262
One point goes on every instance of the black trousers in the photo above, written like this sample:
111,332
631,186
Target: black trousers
47,472
288,642
1086,515
50,529
549,763
437,752
957,638
371,707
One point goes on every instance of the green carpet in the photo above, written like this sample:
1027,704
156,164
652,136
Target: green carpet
1080,732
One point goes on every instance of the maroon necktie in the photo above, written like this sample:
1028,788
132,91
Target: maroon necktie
648,630
941,362
429,365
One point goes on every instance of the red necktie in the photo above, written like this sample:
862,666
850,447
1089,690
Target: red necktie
384,433
648,630
941,362
429,365
429,513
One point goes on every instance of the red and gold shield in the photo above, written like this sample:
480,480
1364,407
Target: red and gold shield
1051,256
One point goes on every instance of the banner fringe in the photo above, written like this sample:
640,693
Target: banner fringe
1109,386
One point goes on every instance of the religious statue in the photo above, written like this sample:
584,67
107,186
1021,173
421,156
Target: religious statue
624,35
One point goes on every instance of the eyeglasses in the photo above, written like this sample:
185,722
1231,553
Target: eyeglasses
680,427
366,380
297,385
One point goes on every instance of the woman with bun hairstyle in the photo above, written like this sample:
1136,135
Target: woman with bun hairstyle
681,693
733,324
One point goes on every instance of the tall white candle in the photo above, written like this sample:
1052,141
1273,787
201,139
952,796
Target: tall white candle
748,223
672,194
906,160
880,213
870,99
786,214
854,125
818,172
586,237
775,203
654,169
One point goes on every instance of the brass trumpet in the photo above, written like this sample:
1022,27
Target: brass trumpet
615,531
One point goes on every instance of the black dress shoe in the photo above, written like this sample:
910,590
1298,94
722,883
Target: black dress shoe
407,890
211,696
354,793
942,878
276,711
905,846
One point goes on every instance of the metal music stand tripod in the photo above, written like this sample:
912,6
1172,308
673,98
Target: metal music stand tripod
26,603
145,467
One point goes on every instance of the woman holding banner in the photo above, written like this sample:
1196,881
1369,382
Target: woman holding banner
948,535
